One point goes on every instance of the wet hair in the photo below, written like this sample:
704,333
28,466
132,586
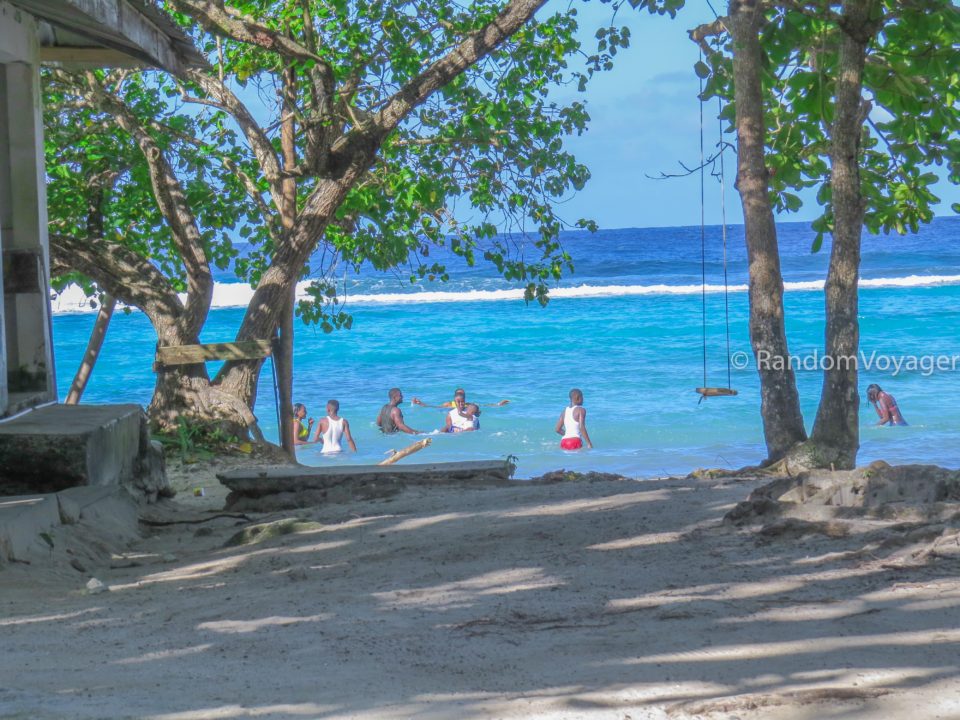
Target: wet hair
394,392
472,408
335,403
460,392
873,389
297,407
576,395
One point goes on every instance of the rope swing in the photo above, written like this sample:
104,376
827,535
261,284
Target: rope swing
706,390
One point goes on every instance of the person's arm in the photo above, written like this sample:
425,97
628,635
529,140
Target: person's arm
380,419
319,431
559,427
401,425
497,404
583,427
447,423
442,406
346,434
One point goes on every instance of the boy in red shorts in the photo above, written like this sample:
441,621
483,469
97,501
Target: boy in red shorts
572,424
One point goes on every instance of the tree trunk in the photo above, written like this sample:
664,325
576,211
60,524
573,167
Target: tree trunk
284,358
836,431
779,401
97,336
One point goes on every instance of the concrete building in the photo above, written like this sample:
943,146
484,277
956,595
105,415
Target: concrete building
72,33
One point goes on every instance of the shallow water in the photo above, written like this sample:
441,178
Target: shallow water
626,328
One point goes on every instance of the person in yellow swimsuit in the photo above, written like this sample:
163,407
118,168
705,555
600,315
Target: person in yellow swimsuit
301,429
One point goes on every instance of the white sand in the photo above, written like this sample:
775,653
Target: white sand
614,600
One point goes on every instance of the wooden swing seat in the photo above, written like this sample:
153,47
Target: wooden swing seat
716,391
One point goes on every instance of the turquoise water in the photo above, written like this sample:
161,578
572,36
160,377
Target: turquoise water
629,337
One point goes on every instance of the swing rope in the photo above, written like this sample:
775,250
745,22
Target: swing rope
723,220
703,239
707,391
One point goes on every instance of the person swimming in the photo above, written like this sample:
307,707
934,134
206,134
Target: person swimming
459,392
885,405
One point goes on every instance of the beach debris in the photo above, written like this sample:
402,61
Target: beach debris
409,450
77,565
556,476
266,531
95,587
168,558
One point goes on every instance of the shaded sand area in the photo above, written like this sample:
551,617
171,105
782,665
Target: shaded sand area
607,599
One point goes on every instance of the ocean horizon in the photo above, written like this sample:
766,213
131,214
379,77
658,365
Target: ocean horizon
625,327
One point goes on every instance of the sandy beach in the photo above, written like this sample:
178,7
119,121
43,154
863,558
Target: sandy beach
614,599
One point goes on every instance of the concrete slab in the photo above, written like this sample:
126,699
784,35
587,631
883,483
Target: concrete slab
60,446
22,519
285,478
111,509
290,486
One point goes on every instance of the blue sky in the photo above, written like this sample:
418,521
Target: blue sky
645,119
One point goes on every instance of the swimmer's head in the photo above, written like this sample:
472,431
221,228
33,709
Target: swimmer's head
576,397
333,407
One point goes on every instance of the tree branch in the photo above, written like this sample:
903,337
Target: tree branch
476,46
219,19
123,273
172,203
260,145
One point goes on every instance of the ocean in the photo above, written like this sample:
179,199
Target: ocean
625,327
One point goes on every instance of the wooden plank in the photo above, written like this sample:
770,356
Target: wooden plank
716,391
192,354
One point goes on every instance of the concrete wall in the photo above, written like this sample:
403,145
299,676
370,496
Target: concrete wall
26,347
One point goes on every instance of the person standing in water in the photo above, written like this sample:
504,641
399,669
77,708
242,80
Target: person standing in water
885,405
572,424
332,428
301,429
390,419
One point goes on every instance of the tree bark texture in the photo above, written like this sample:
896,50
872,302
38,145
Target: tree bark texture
779,400
836,430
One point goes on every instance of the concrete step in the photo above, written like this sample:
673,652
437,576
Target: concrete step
61,446
25,519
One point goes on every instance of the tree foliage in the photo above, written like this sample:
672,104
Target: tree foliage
372,130
911,116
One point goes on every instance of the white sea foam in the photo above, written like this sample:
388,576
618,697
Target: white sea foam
237,295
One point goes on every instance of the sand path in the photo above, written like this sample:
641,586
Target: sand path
613,600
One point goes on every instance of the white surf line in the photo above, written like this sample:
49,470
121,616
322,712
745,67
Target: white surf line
238,295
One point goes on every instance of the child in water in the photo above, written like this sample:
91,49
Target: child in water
572,424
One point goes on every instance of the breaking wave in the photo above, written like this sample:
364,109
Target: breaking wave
237,295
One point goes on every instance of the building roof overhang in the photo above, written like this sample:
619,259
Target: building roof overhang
110,33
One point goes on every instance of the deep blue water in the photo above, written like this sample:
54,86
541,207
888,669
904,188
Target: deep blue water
626,328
